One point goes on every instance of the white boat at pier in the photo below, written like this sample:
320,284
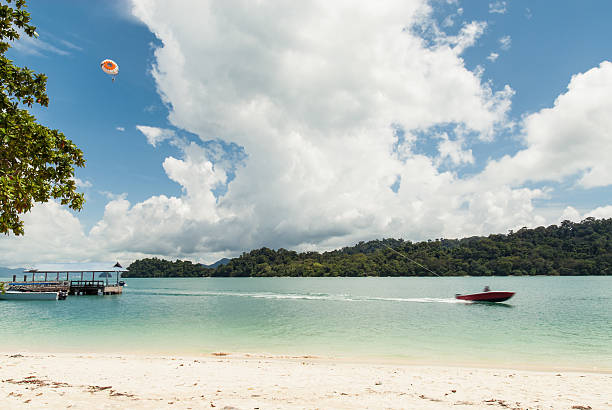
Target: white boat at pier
16,295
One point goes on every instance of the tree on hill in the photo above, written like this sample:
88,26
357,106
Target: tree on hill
36,163
159,268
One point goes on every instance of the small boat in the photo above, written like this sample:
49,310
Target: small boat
16,295
486,296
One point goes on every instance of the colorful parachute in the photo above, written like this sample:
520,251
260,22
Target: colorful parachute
110,67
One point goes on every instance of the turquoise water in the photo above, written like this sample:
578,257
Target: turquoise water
561,322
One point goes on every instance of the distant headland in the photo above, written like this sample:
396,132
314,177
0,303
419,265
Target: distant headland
570,248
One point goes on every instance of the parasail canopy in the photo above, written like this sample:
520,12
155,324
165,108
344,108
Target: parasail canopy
109,67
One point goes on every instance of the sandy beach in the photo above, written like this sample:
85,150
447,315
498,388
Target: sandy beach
86,381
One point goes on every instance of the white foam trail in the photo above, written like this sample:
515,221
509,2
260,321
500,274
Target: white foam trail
298,296
421,300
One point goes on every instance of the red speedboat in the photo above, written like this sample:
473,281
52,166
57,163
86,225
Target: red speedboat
486,296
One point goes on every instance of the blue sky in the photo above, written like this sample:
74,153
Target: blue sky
276,125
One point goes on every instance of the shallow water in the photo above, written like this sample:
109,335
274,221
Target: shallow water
561,322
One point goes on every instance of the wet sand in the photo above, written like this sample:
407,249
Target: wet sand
87,381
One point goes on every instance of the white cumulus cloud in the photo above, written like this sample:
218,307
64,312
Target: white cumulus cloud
505,42
499,7
52,234
572,214
156,135
82,184
453,150
572,138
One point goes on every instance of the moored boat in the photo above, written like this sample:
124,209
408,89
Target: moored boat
486,296
16,295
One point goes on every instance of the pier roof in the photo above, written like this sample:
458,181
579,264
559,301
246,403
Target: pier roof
77,267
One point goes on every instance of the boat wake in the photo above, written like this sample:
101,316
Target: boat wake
298,296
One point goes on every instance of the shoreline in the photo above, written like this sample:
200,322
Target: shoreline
491,364
83,380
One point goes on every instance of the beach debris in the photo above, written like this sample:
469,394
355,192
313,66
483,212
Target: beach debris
422,396
579,407
501,403
115,393
220,354
378,383
95,389
30,380
110,67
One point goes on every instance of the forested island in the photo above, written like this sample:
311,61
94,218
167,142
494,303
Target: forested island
583,248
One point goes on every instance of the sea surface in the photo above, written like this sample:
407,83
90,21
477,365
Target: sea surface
552,322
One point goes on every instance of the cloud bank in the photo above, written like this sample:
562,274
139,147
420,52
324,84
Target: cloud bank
330,101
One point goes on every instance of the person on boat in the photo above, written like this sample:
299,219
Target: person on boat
486,289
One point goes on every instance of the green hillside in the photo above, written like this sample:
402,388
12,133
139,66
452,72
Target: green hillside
583,248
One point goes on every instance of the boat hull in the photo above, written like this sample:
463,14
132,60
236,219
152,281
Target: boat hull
486,296
13,295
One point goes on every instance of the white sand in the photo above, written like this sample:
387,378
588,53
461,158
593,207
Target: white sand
93,381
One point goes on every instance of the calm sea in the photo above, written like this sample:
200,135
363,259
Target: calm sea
552,322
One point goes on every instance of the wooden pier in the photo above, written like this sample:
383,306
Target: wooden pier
54,286
73,287
93,287
54,281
